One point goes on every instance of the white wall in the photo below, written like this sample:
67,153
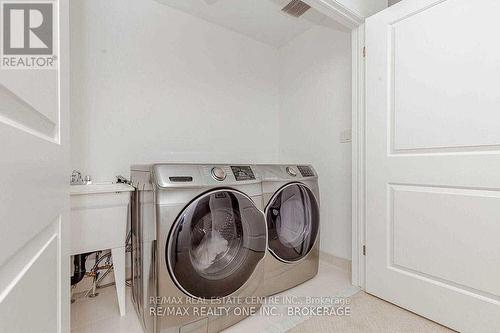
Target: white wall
155,84
315,107
150,83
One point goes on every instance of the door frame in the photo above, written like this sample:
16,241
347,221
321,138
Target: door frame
354,22
358,128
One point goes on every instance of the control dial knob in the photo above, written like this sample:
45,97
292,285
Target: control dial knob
218,173
291,172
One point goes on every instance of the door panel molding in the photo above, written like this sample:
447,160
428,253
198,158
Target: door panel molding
419,218
465,79
27,282
19,114
19,264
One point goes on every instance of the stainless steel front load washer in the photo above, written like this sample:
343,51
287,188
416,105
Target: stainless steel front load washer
291,200
198,234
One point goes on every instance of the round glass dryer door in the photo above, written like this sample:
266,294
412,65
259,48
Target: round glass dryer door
292,222
216,243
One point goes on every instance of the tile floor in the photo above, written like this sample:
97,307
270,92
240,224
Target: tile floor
330,282
100,314
373,315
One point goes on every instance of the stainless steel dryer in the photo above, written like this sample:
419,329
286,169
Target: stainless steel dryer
291,200
198,234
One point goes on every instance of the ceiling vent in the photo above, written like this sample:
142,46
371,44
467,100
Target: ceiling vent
296,8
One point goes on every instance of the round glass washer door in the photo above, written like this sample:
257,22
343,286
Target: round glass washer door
292,217
215,244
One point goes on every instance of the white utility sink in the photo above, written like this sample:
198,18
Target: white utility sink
100,188
99,215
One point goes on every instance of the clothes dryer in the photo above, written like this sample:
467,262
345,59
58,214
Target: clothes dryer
292,210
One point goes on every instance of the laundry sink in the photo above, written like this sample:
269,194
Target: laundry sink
100,188
99,216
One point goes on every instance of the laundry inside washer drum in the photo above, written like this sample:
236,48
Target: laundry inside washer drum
216,244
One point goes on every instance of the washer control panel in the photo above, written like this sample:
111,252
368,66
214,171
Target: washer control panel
242,173
218,173
305,171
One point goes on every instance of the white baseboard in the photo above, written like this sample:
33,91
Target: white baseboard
341,263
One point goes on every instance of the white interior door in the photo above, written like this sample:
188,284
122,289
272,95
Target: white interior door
34,175
433,160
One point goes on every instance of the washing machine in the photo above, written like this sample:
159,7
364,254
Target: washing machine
199,237
292,210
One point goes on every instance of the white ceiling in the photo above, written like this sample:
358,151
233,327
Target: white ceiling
258,19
